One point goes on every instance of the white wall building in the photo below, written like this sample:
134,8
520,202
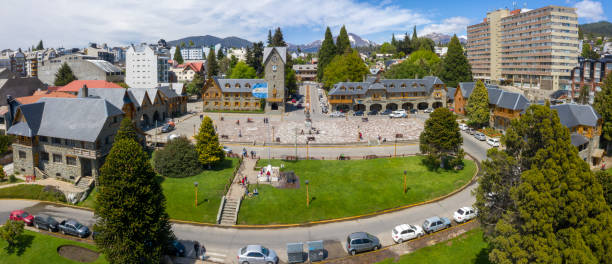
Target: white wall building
240,53
145,66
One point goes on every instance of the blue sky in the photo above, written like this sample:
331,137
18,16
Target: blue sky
74,23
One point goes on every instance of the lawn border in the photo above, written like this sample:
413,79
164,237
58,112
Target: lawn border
306,224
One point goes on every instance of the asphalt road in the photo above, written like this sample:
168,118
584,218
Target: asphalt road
222,243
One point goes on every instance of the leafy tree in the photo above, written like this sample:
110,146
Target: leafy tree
419,64
122,84
40,45
538,200
455,66
347,67
387,48
583,96
604,108
183,44
178,159
220,54
605,179
5,142
291,81
326,53
243,71
191,44
64,75
195,86
343,42
277,39
178,57
478,106
441,139
130,207
208,148
127,130
426,44
588,52
2,174
11,232
212,67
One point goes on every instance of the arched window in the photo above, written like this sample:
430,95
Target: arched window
247,85
403,85
414,84
227,85
237,85
391,85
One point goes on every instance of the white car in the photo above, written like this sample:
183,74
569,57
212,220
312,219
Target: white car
493,142
465,214
463,126
406,232
337,114
428,110
398,114
227,150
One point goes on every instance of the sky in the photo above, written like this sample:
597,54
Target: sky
75,23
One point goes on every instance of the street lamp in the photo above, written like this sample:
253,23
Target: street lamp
405,172
307,197
195,184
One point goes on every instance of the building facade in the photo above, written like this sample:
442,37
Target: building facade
83,68
305,72
527,48
146,66
590,73
381,94
584,125
187,71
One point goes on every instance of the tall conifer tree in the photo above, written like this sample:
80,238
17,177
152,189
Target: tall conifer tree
478,106
343,42
326,53
178,57
64,75
207,144
455,66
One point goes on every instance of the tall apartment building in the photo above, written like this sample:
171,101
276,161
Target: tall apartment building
527,48
146,66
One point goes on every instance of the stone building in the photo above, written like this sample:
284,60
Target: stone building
248,94
590,73
381,94
65,138
305,72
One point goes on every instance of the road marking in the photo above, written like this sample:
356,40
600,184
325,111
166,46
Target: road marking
215,257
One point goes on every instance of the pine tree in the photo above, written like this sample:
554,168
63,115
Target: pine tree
414,40
478,106
178,57
326,53
220,55
212,67
64,75
270,41
207,144
580,34
127,130
132,223
256,61
455,66
441,139
40,45
277,39
191,44
604,108
343,42
393,40
538,201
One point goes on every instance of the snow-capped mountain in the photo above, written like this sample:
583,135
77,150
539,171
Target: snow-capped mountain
443,38
356,41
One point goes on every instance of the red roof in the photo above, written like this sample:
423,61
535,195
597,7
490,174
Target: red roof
53,88
76,85
196,66
42,94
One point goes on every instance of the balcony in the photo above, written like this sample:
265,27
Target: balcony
87,153
340,101
506,114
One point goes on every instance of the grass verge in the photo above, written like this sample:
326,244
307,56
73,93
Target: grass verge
31,191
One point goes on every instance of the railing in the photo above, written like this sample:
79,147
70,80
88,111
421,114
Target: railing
38,171
505,114
87,153
220,211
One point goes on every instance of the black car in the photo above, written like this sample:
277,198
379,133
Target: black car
414,111
373,112
46,222
358,113
167,128
176,248
387,112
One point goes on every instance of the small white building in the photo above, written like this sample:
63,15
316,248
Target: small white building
240,53
441,51
145,66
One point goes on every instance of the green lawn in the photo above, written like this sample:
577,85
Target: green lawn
7,181
31,191
39,248
236,111
90,200
469,248
347,188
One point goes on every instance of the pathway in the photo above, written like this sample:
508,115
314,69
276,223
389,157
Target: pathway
229,212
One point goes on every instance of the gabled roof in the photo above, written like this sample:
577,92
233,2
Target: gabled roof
138,96
578,139
42,94
116,96
70,118
508,100
196,66
152,93
572,115
76,85
282,51
390,85
450,91
229,85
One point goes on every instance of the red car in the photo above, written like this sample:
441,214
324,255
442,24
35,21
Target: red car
21,215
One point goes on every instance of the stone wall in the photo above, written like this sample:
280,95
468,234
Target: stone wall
82,69
23,166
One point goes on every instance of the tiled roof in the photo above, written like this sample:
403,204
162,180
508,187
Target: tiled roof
572,115
76,85
196,66
42,94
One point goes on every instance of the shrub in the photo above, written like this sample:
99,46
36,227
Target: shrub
178,159
2,174
51,193
12,178
11,232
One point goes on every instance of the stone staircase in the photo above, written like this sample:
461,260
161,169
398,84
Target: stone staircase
229,214
83,183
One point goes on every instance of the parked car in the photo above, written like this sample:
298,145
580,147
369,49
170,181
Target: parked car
172,136
74,228
175,248
256,254
358,113
436,223
21,215
493,142
428,110
414,111
387,112
167,128
336,114
373,112
46,222
398,114
463,126
480,136
360,242
227,150
406,232
471,131
464,214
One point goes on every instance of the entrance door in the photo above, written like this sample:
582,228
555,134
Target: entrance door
85,167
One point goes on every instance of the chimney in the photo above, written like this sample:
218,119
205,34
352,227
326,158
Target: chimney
84,91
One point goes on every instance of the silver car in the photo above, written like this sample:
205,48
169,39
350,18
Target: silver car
480,136
361,241
257,254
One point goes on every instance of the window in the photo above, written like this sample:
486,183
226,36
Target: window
44,156
57,158
56,140
71,161
114,119
43,139
22,154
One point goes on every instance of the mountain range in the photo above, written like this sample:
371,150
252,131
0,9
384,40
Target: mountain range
598,29
208,40
443,38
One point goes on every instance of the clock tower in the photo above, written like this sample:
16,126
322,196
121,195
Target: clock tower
274,61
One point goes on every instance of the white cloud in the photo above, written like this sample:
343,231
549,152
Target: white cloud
449,26
591,11
74,23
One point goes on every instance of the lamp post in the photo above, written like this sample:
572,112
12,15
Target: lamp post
405,172
395,148
307,148
307,196
194,133
195,185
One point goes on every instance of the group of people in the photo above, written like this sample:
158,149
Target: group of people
244,153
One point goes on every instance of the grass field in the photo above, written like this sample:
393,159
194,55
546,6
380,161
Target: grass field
39,248
469,248
348,188
30,191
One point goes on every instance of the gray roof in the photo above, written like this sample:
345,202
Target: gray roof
116,96
451,93
390,85
468,87
71,118
282,51
578,139
508,100
138,96
105,66
572,115
237,85
178,88
168,92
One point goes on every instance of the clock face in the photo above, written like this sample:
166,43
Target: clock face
274,67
